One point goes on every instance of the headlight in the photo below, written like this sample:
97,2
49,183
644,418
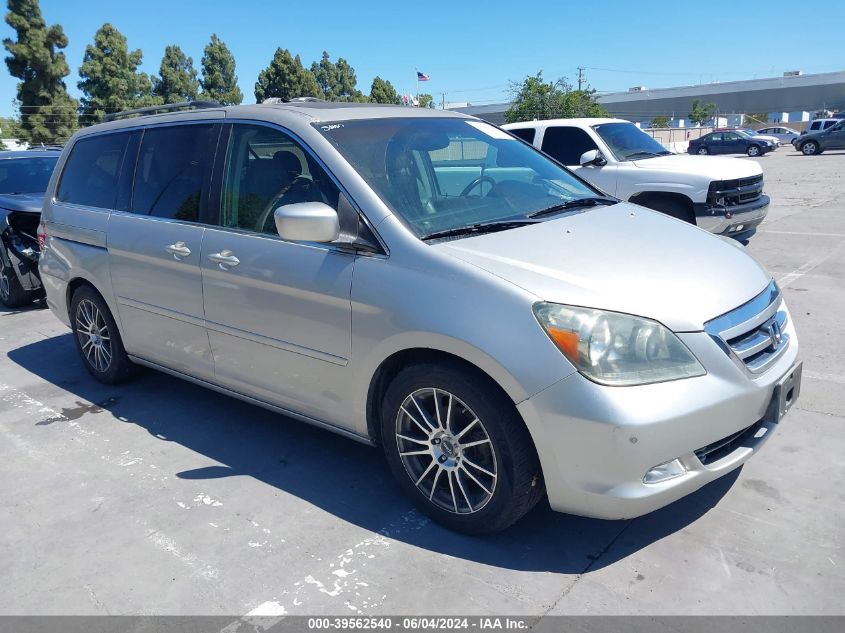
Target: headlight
617,349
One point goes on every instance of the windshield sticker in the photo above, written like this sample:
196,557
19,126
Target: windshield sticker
491,130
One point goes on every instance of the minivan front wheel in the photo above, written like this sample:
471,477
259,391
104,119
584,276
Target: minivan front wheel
97,339
458,448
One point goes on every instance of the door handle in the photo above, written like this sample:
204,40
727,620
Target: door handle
178,250
224,259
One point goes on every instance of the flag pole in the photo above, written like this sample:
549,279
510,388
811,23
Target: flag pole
417,70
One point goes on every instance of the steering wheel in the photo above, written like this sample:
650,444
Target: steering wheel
475,183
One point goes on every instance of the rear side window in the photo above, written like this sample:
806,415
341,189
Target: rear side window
173,171
92,171
526,133
566,144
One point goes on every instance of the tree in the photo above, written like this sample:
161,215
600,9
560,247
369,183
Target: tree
535,99
701,112
110,81
382,91
660,121
286,78
219,81
426,101
337,81
177,79
48,112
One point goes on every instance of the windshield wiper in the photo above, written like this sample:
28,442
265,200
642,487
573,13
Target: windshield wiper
644,154
573,204
477,229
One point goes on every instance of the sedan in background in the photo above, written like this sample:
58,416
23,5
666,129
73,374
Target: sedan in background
784,135
730,143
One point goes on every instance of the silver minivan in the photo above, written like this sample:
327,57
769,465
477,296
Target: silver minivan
428,282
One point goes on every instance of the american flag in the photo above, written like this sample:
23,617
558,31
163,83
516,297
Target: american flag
422,76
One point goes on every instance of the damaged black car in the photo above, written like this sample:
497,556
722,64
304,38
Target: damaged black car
23,179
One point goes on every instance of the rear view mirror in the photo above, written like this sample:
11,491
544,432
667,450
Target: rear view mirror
592,157
307,222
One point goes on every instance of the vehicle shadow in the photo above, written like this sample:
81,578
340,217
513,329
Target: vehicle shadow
340,476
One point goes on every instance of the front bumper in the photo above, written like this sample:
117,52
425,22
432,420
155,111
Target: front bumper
596,443
739,221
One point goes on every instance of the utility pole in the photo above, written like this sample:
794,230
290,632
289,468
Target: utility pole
580,77
443,102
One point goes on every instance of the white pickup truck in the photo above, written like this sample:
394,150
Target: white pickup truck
719,194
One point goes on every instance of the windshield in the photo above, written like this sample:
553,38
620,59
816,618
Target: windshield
442,174
26,175
628,142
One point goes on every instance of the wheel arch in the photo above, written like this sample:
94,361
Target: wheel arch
400,359
645,198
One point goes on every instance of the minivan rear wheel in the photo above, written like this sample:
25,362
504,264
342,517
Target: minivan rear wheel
97,338
459,449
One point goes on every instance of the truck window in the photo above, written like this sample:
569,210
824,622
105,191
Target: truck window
526,134
566,144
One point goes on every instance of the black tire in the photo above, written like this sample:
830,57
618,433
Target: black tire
670,207
810,148
12,293
116,366
508,452
754,150
702,151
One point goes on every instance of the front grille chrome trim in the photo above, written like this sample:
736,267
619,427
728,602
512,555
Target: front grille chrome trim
753,334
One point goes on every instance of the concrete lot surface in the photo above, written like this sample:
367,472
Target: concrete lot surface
160,497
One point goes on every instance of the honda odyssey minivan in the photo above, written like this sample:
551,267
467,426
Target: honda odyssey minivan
428,282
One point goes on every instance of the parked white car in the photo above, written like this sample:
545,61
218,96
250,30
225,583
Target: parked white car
722,195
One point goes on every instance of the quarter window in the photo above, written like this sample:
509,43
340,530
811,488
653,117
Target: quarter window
266,169
173,170
92,171
526,133
566,144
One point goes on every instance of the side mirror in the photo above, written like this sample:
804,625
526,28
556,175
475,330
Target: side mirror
307,222
592,157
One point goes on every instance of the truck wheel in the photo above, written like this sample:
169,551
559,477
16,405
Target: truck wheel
12,294
809,148
97,338
458,448
753,150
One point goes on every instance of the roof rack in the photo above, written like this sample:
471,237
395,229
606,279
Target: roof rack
167,107
277,100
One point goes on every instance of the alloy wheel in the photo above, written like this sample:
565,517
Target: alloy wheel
753,150
702,151
446,451
809,148
93,334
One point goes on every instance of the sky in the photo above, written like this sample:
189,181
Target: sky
472,51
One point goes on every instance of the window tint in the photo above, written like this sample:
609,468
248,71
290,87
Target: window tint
710,138
26,175
265,169
730,136
526,133
92,171
566,144
827,124
173,171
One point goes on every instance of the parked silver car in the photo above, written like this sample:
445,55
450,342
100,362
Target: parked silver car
428,282
784,135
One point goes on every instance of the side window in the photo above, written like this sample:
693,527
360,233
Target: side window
526,134
713,137
265,169
173,170
92,171
814,125
730,136
828,124
566,144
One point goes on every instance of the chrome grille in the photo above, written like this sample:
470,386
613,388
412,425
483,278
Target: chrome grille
754,334
737,191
